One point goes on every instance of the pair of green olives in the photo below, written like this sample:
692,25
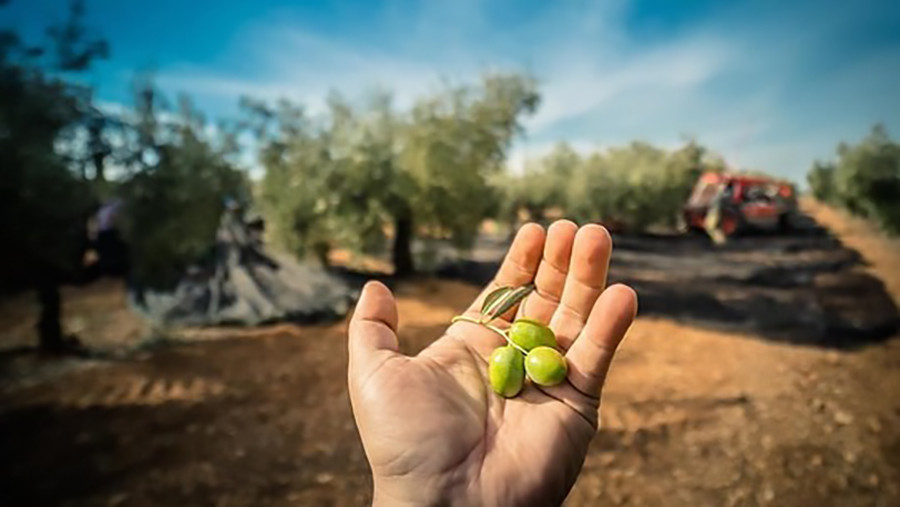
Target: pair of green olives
543,364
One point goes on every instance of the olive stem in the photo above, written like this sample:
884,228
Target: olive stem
491,327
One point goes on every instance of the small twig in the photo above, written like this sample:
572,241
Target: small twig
479,322
489,326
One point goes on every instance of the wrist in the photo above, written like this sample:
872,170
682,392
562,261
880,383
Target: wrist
394,493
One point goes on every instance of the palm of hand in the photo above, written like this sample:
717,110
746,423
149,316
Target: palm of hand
434,431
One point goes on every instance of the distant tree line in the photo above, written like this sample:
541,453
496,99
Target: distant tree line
632,187
864,179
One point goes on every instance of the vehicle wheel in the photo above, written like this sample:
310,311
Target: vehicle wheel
785,222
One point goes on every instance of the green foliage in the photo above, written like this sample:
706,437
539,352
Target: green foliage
865,179
544,184
635,186
454,144
50,131
348,177
175,199
821,181
43,203
293,194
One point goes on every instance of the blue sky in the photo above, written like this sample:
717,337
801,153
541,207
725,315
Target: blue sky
770,85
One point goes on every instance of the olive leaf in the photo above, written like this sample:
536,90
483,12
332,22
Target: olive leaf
505,301
492,298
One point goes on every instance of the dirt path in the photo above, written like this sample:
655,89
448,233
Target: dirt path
880,252
692,416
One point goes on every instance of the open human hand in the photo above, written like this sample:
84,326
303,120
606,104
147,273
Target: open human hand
433,430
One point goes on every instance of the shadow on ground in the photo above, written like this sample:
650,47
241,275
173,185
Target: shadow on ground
231,422
803,287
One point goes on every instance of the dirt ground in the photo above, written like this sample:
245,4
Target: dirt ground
742,400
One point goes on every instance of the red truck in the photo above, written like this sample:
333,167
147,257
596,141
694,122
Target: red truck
747,203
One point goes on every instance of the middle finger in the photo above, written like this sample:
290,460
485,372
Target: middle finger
550,278
586,280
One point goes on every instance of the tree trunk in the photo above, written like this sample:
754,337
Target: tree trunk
402,254
49,327
99,172
322,249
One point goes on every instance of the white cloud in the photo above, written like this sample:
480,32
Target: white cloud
575,80
577,84
303,67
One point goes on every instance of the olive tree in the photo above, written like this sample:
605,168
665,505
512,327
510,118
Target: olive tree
174,195
455,142
293,190
866,179
326,178
821,181
367,169
44,202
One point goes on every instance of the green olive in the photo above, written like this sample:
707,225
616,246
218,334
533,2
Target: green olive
546,366
506,371
528,334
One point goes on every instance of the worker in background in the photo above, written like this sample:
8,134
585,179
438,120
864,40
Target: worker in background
717,208
109,253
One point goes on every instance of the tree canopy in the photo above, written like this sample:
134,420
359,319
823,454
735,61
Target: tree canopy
366,168
43,201
180,176
865,179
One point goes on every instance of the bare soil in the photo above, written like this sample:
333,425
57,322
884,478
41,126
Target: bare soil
732,402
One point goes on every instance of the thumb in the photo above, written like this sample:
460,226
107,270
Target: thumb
373,328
